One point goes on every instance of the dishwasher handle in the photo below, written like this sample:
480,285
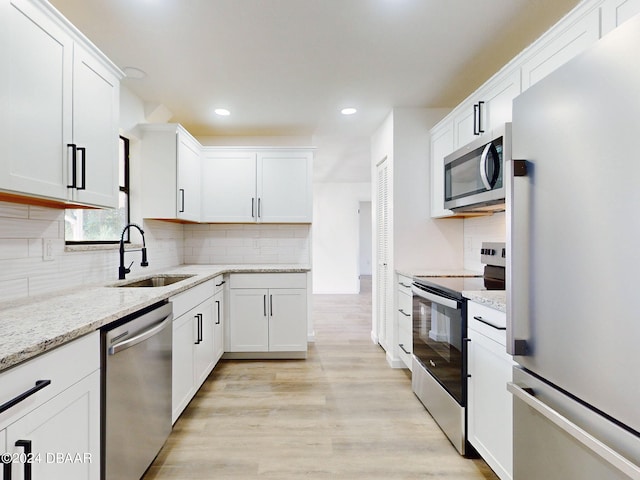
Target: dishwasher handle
118,347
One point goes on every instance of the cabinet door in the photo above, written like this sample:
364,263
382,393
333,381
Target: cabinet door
465,125
489,403
189,188
285,187
498,100
36,89
441,146
558,50
96,97
182,364
616,12
249,325
404,319
218,326
287,320
63,434
204,346
229,187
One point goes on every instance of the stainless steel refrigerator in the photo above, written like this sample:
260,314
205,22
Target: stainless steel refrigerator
573,291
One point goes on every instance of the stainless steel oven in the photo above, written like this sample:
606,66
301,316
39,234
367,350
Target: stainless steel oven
439,357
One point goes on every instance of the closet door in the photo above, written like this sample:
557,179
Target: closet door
382,251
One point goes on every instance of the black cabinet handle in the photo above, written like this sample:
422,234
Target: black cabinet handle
401,345
26,444
259,202
40,384
404,313
218,307
271,305
480,319
74,159
83,157
199,318
475,119
221,283
265,305
480,126
181,200
253,207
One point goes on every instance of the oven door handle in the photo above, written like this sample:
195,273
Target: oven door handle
447,302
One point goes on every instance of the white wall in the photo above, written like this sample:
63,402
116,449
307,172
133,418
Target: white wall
481,229
366,238
335,233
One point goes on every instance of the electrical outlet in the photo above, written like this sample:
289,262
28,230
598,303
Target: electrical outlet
47,249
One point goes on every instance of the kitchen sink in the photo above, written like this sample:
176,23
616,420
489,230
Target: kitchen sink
155,281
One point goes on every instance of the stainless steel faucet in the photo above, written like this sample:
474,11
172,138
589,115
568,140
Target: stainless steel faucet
122,270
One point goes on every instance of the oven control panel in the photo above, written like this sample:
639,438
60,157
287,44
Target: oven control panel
494,253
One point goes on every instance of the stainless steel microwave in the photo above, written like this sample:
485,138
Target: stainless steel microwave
474,174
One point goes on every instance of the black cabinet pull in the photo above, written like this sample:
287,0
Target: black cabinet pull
480,126
221,283
74,158
404,313
40,384
199,318
26,444
401,345
271,305
475,119
253,207
181,201
480,319
218,307
265,305
259,202
83,162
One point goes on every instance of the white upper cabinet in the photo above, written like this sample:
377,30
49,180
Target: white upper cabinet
171,187
559,45
615,12
263,185
285,186
441,145
229,186
61,99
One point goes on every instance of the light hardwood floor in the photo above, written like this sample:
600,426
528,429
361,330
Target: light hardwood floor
341,413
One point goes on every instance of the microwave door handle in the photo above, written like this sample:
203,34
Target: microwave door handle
483,166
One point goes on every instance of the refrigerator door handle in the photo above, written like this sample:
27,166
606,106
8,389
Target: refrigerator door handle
517,219
589,441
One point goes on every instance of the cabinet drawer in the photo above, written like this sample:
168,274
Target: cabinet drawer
404,284
63,366
268,280
185,301
487,321
218,283
405,305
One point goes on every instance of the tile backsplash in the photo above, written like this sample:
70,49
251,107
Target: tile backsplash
478,230
247,243
25,232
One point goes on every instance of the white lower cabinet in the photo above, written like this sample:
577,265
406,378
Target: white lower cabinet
219,316
404,317
193,343
489,421
54,433
268,312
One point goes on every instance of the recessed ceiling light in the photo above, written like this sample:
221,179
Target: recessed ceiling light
133,72
348,111
223,112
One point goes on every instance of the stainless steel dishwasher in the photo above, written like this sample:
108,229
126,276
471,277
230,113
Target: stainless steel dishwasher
136,393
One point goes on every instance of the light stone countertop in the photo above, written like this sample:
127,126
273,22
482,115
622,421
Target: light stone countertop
496,299
34,325
438,273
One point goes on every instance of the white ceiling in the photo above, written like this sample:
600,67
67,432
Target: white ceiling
287,67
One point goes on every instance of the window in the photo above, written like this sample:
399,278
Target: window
102,226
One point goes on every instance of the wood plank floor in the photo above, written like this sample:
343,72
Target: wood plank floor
341,413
